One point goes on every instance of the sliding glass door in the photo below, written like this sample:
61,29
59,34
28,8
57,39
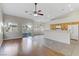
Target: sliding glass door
12,28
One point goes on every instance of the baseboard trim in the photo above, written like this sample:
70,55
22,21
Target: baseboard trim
13,39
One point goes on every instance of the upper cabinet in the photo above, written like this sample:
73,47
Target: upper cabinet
64,26
52,26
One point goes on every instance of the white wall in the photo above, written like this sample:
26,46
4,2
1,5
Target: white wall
17,33
1,23
73,17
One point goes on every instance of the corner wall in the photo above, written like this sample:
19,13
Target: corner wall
17,33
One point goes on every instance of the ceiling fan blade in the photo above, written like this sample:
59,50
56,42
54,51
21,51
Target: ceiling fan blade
39,10
40,14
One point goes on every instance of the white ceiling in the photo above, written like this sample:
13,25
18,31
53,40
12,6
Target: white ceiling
50,10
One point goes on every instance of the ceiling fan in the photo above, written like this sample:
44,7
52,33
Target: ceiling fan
36,12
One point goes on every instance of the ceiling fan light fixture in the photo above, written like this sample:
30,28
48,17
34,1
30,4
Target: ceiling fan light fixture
35,14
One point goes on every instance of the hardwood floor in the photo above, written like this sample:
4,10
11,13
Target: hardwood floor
25,47
1,41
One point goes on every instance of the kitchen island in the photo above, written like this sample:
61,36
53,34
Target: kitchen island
58,35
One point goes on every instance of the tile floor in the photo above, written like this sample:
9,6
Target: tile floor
67,50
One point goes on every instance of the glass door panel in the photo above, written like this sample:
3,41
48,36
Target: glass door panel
12,28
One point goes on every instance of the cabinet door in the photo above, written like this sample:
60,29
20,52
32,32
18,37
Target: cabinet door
53,27
64,26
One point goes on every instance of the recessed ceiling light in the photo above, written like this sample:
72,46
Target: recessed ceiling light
70,7
62,9
26,11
